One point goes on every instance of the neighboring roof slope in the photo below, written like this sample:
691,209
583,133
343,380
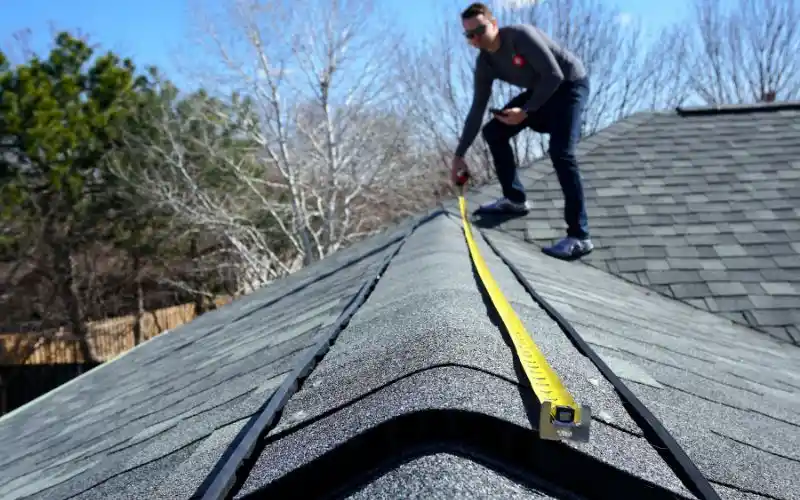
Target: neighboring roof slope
420,395
152,423
730,397
702,206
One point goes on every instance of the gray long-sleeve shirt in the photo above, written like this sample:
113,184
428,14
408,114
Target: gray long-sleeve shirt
542,67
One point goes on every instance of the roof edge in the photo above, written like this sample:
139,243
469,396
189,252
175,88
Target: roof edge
723,109
416,219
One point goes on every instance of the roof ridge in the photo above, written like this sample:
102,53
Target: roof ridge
227,476
720,109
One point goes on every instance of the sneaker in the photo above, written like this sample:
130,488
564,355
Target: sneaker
504,206
570,248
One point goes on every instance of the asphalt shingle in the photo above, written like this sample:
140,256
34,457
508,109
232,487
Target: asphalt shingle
139,423
444,476
424,374
672,194
427,344
422,362
729,396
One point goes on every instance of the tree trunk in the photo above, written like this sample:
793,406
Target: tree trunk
196,279
139,316
64,266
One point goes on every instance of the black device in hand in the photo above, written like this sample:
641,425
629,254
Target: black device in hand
496,111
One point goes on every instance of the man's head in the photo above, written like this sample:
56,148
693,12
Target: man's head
480,26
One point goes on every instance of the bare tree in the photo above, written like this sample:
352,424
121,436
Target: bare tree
742,52
663,71
321,146
437,81
629,68
181,172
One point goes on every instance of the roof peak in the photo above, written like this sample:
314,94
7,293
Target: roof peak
759,107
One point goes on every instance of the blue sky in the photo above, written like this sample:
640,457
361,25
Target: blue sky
150,30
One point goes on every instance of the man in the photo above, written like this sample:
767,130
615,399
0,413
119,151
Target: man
558,89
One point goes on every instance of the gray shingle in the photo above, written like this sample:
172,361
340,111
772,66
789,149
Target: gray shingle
730,250
154,422
780,288
739,263
170,400
730,201
726,288
703,365
673,277
689,290
447,355
444,476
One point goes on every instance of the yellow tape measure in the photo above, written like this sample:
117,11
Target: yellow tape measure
560,416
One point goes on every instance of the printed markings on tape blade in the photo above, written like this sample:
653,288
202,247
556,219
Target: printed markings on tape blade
560,416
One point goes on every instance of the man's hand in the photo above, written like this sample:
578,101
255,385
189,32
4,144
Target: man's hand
512,116
459,172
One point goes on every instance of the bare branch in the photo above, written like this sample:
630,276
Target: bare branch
319,138
630,70
742,52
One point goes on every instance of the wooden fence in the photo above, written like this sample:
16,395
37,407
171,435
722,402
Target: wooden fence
107,339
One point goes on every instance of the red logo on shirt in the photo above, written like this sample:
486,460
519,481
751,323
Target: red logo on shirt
518,60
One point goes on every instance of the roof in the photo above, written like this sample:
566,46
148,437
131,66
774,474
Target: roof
381,372
701,205
422,369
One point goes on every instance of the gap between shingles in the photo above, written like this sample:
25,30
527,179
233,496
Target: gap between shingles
582,323
554,298
772,417
639,340
744,490
705,377
659,362
701,376
125,445
649,290
786,384
125,471
557,299
745,443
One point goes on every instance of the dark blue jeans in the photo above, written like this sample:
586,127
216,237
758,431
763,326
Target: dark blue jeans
560,117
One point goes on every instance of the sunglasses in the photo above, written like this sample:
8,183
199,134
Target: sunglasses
473,33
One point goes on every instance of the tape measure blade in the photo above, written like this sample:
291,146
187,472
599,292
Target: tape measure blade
544,381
